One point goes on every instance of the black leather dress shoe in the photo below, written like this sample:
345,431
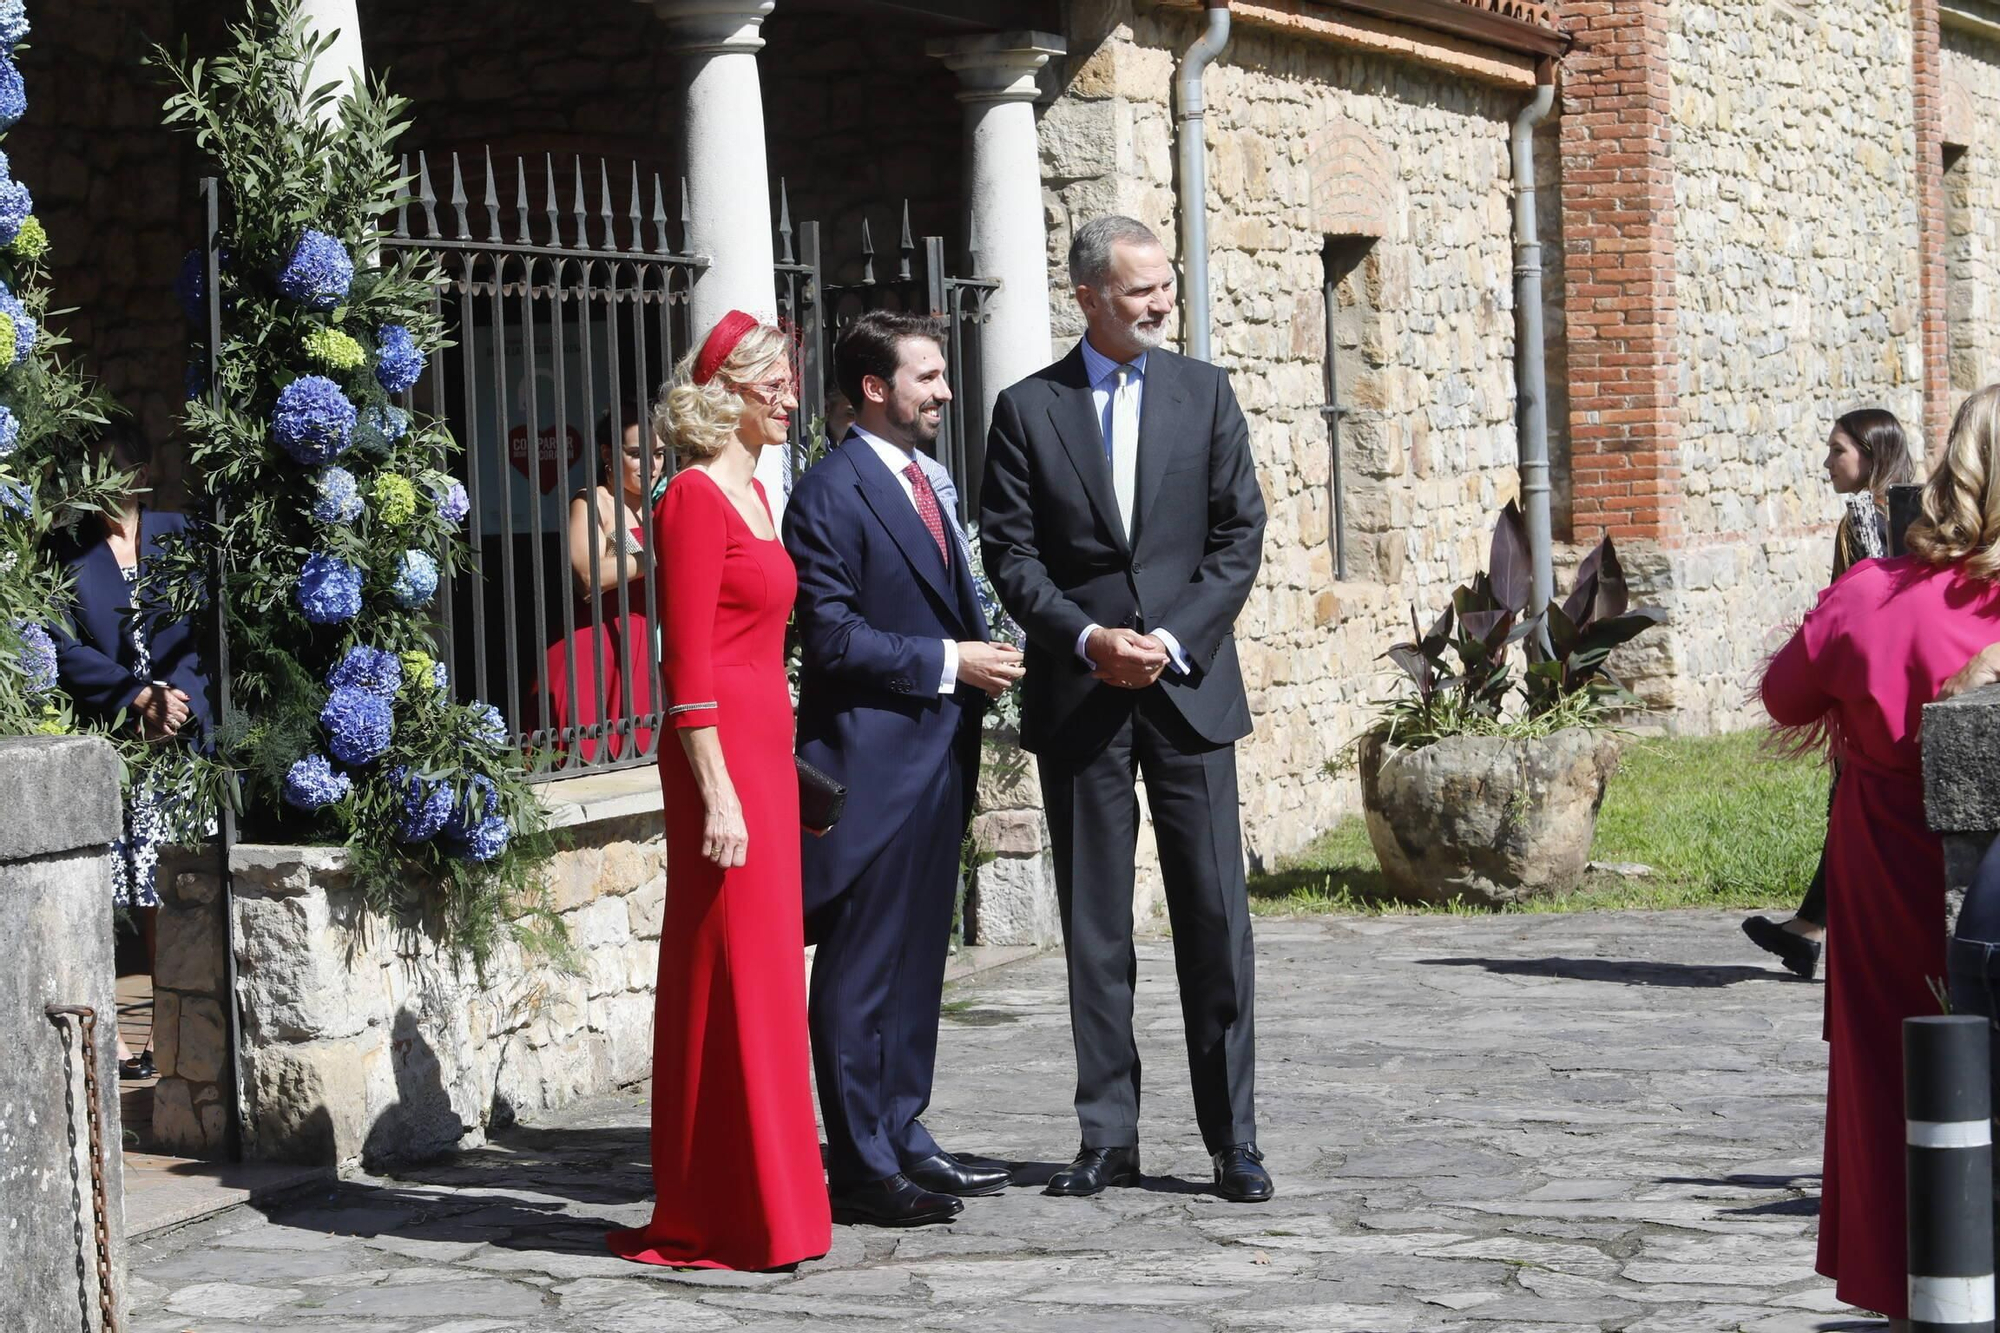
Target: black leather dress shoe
1799,954
1094,1170
1240,1176
892,1202
945,1174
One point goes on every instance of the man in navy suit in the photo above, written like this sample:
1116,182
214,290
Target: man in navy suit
897,670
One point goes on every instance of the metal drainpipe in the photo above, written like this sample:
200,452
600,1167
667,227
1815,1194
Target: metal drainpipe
1193,145
1530,370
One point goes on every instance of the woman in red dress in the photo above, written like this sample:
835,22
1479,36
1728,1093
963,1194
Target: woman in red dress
1877,648
736,1165
589,673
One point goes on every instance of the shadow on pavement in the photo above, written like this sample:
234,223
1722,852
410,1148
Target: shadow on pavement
1624,971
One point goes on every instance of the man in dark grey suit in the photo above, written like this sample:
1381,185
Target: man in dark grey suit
1122,526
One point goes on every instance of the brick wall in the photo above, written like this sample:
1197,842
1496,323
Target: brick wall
1927,69
1618,234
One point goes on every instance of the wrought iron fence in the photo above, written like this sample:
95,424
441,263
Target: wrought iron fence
568,310
565,321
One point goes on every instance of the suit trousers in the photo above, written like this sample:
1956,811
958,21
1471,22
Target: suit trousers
877,984
1093,814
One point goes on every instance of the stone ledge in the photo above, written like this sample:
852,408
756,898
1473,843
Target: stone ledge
1961,745
595,798
61,794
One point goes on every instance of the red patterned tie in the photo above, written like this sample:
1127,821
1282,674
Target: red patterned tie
927,508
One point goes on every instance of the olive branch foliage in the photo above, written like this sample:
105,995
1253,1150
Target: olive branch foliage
291,157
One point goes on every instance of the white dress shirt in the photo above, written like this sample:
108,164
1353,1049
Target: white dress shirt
1102,373
896,458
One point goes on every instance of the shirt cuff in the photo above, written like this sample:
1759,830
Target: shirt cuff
949,681
1083,641
1175,653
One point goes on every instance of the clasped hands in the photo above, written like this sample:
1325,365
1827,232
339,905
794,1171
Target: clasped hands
162,711
1125,658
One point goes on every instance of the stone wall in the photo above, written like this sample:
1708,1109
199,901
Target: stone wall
59,811
1308,140
1798,292
363,1043
1972,210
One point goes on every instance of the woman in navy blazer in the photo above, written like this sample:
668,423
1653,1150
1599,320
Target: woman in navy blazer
142,672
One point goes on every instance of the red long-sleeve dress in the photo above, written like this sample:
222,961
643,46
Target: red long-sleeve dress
1868,658
736,1164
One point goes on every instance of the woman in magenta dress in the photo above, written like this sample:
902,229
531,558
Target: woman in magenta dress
601,673
1874,651
736,1166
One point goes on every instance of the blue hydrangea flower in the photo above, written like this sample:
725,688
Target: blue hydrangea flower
471,806
17,498
312,783
453,504
487,840
318,273
416,580
24,327
15,205
314,422
13,22
10,432
38,658
439,677
426,805
329,590
390,422
374,670
487,724
338,498
398,362
13,94
357,725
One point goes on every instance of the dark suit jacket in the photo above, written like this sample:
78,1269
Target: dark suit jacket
875,605
96,662
1057,556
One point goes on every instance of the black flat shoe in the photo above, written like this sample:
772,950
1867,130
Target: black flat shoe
892,1202
1094,1170
945,1174
138,1066
1240,1176
1799,954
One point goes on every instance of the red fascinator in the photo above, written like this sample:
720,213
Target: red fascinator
721,341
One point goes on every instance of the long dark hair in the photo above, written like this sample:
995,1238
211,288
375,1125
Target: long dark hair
1879,437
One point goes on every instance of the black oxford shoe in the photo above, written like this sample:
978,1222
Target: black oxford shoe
1240,1176
1094,1170
945,1174
1799,954
892,1202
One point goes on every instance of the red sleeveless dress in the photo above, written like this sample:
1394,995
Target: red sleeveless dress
736,1164
604,658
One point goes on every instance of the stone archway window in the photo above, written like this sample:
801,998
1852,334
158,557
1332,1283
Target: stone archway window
1350,318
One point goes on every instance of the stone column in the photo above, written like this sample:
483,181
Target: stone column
340,20
728,181
1003,194
59,811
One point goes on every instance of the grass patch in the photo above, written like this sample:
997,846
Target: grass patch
1722,824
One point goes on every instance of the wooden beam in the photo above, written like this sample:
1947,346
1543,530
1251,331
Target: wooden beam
1491,22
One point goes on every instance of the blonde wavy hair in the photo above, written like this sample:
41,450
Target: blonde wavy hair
697,420
1961,509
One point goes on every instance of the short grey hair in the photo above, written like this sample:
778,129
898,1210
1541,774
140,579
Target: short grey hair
1090,248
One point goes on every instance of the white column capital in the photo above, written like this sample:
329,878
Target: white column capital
997,66
714,27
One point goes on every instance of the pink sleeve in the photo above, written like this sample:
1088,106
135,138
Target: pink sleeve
693,535
1797,688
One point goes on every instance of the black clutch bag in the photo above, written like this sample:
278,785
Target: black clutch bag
821,799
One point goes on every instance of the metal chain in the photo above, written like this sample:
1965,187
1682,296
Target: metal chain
101,1225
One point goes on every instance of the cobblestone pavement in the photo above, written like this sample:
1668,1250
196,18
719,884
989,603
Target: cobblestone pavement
1481,1124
